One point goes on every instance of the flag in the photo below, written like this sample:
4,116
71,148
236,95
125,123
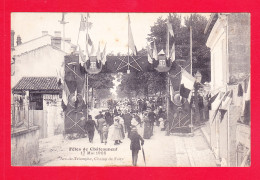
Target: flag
131,43
82,57
240,90
75,96
65,93
171,91
103,55
98,53
63,17
226,100
248,93
92,50
168,43
83,23
212,99
187,84
155,54
88,40
246,104
216,103
83,92
173,52
149,54
170,30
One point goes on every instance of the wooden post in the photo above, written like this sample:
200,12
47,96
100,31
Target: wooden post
191,115
168,102
86,99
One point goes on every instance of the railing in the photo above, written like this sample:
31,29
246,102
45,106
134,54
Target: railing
21,117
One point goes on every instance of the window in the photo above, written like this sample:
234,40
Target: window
36,101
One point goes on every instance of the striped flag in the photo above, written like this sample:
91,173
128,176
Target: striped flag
104,59
226,100
98,53
173,52
65,93
155,53
131,43
170,30
187,84
83,92
149,54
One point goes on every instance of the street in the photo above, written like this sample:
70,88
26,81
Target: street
160,151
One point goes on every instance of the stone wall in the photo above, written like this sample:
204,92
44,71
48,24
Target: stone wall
25,147
238,46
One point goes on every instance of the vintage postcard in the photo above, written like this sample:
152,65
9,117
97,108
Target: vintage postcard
130,89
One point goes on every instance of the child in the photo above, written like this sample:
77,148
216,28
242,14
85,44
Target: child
162,124
105,132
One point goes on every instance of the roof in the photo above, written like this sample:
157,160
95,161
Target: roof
41,47
213,18
37,83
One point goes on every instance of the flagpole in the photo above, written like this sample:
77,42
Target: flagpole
168,101
168,41
86,97
191,123
128,46
63,22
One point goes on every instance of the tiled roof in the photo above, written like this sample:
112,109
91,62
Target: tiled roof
37,83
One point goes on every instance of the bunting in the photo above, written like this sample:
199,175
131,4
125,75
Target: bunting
226,100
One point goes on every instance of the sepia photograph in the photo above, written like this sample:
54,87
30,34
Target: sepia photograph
130,89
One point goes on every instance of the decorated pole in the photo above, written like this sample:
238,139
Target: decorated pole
191,114
86,98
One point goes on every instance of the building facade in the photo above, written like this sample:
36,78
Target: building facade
229,43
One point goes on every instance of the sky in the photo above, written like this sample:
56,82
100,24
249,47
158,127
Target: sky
107,28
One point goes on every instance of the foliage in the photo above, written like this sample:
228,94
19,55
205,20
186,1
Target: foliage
141,84
200,53
101,81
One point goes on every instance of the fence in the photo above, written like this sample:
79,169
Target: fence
22,117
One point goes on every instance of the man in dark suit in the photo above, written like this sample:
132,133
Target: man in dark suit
135,145
100,123
127,122
152,118
90,127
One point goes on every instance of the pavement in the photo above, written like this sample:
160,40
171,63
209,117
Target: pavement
160,151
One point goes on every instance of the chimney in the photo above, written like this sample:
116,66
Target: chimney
44,33
56,40
12,40
19,40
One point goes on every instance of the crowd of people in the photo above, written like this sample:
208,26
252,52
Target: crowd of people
123,120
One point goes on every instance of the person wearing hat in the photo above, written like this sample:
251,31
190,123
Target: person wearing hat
147,126
135,145
105,132
152,118
117,135
127,122
100,115
90,127
100,123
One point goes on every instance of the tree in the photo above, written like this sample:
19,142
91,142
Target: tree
200,53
